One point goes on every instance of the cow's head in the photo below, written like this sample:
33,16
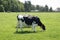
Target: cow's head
43,27
40,23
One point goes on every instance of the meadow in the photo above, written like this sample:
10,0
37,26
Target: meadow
51,20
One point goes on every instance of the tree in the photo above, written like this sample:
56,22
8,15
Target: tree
33,7
41,9
11,5
27,6
37,7
50,9
46,8
16,6
1,2
1,8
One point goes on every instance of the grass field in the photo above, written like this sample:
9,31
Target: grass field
51,20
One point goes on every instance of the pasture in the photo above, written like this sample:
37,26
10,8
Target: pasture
51,20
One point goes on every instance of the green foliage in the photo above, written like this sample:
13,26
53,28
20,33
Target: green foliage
41,8
50,9
12,5
0,2
27,6
46,8
51,20
1,8
37,7
17,6
33,7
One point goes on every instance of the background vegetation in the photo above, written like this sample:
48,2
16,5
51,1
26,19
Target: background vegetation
17,6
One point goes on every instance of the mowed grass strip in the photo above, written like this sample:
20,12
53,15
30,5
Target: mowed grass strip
51,20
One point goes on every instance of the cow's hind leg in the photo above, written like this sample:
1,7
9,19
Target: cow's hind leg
33,27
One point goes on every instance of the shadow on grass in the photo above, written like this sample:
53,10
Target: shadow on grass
24,32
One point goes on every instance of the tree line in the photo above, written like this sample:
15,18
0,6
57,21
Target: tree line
17,6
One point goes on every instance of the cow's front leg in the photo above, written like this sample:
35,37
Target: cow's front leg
21,28
17,27
21,25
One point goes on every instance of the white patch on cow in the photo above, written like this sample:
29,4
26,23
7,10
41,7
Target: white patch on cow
20,16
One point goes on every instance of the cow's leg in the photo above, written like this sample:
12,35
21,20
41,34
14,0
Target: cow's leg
33,27
17,26
21,25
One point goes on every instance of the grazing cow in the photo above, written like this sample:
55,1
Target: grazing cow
29,21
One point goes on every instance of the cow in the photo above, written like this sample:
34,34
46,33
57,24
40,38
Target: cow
29,21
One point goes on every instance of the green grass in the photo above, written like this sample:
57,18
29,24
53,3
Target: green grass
51,20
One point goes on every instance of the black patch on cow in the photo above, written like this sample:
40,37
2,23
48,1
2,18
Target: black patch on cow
28,21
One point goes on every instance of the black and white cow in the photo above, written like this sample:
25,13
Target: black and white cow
29,21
